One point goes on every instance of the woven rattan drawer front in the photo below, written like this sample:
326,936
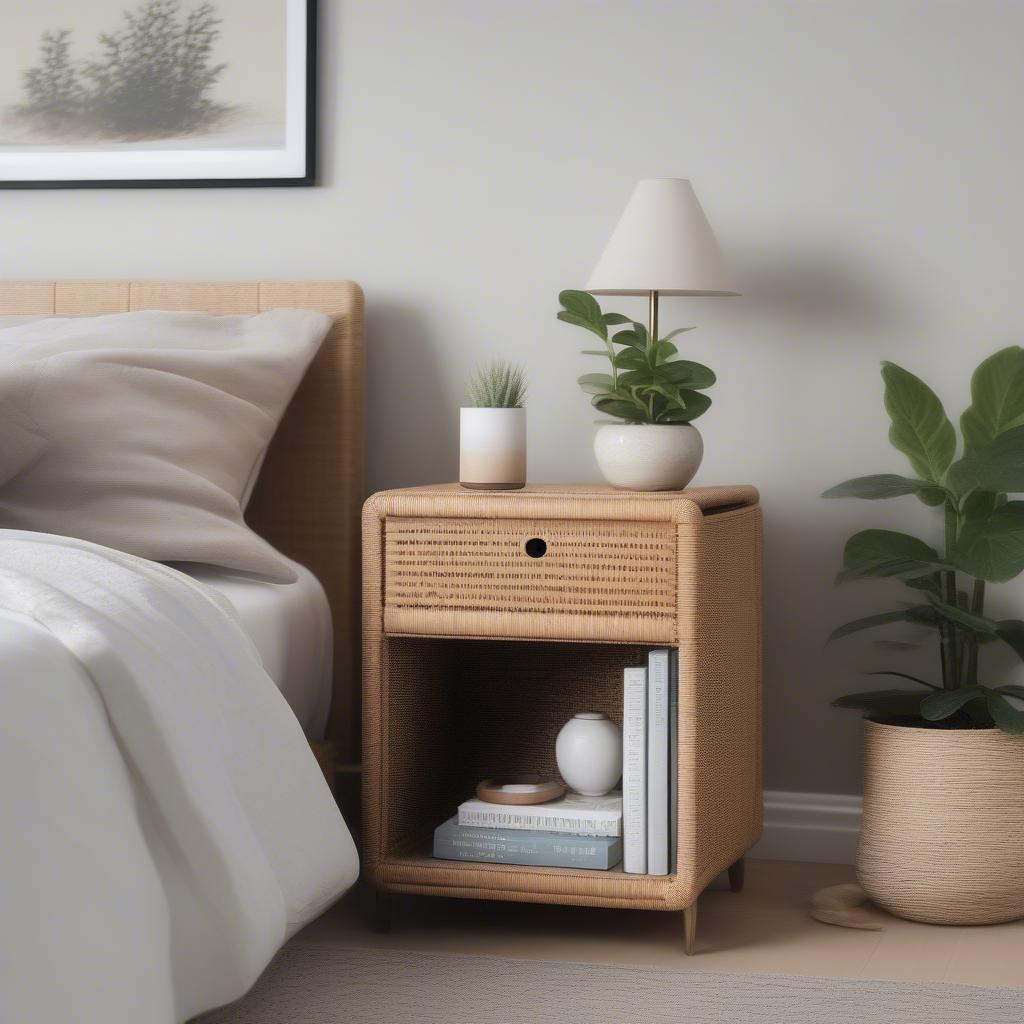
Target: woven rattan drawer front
594,580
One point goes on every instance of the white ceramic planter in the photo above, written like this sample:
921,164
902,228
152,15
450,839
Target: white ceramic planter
492,449
589,753
647,456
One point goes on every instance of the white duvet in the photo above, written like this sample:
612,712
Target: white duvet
163,825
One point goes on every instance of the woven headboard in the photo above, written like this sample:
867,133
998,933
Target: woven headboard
307,502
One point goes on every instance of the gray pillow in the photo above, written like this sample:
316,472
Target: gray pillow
144,431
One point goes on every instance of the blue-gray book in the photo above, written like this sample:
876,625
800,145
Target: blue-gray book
453,841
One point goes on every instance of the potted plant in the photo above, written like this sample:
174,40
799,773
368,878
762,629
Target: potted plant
656,397
492,430
942,839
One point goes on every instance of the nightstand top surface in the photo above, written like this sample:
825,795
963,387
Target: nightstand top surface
598,501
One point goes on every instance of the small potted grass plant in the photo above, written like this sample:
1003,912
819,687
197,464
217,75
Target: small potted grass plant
942,839
652,397
492,429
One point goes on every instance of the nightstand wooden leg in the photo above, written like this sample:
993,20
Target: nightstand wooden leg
736,875
381,912
690,929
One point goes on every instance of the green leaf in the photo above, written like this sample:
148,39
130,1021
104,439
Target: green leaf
663,351
578,321
685,371
920,428
616,407
997,466
615,318
903,675
596,383
997,398
677,331
1005,715
968,620
883,554
1011,632
875,545
630,359
697,403
917,613
582,304
883,485
629,338
948,702
896,703
992,547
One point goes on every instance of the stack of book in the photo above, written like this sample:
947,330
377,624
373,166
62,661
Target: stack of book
573,832
650,714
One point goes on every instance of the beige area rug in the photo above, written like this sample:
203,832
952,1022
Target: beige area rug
322,984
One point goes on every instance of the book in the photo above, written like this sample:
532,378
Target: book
673,759
573,813
657,761
634,770
453,841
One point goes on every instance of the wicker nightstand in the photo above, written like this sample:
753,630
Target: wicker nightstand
489,619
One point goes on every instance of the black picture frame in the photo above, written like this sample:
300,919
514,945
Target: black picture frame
306,179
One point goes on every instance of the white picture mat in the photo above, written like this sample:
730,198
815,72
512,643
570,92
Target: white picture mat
127,164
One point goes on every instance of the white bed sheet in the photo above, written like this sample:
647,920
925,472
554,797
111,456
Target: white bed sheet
290,624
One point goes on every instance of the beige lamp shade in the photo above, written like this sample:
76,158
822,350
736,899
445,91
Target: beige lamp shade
662,243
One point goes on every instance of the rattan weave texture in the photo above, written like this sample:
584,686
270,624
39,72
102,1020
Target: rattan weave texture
473,658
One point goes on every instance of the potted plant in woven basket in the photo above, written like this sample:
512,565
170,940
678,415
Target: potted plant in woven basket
654,396
942,839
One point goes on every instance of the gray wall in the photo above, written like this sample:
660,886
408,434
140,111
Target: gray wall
860,161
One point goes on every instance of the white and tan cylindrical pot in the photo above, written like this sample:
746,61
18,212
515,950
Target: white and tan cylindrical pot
648,456
942,839
492,449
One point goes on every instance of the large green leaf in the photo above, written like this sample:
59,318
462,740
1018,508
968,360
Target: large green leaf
578,321
991,547
618,408
685,371
697,403
877,545
997,466
1011,632
885,485
596,383
629,338
677,331
920,428
961,617
1009,718
582,304
920,614
897,703
997,398
948,702
615,318
903,675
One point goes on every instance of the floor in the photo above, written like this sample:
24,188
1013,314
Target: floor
764,929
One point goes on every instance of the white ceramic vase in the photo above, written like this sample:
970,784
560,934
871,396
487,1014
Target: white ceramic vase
492,449
589,753
648,456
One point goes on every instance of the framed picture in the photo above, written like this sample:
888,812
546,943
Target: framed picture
157,93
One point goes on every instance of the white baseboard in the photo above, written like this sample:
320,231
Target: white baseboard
819,827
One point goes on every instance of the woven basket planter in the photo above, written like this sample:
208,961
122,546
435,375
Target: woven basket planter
942,839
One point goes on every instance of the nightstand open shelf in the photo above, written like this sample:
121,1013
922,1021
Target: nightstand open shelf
476,653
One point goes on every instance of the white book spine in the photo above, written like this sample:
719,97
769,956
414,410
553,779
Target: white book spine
657,762
634,771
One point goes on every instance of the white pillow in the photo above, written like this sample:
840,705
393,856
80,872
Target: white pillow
144,431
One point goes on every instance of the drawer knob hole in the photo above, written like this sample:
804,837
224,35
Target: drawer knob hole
536,548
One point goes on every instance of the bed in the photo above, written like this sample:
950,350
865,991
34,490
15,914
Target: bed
242,782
